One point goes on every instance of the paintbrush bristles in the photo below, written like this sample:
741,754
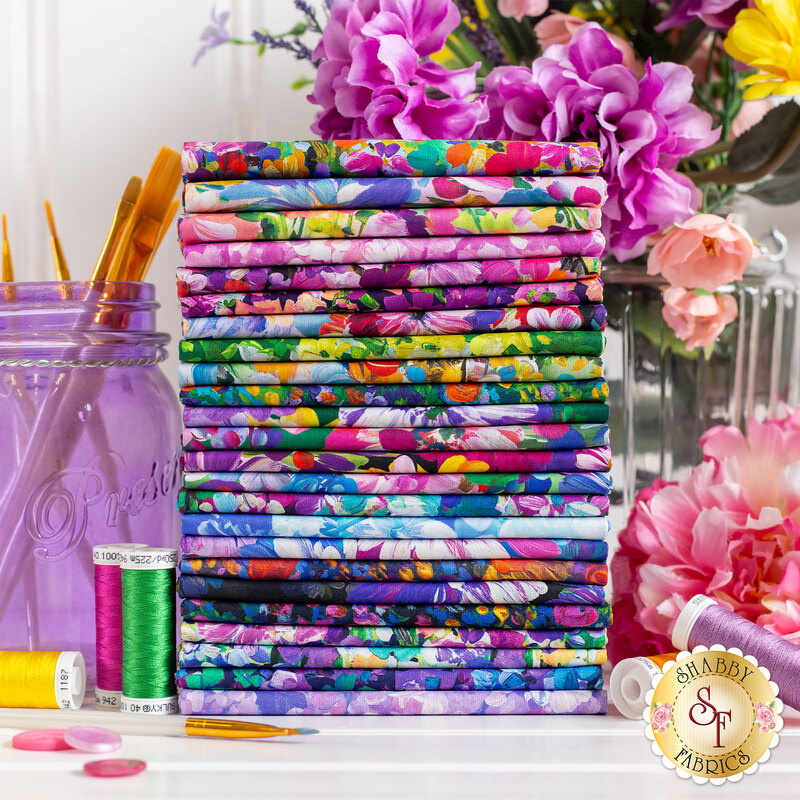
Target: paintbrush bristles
7,275
114,236
60,262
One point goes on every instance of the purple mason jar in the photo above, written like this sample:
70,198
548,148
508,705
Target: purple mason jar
89,447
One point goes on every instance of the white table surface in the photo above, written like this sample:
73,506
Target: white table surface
435,758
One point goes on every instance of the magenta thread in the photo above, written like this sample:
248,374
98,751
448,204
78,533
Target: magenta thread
108,621
703,622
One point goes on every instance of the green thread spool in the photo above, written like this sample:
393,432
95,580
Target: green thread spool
148,631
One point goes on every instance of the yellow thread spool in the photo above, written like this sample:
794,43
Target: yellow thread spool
49,679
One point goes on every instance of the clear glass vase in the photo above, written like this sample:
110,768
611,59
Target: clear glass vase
89,442
663,398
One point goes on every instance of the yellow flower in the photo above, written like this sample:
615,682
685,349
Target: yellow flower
768,38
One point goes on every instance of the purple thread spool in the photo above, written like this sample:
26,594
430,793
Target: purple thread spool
704,622
108,622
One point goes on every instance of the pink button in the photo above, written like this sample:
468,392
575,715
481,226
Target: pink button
91,739
45,739
114,767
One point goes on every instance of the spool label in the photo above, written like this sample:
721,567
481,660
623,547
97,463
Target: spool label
713,715
157,706
109,700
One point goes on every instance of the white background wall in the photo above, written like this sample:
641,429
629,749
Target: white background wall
89,89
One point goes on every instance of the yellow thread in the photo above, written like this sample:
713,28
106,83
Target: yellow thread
28,680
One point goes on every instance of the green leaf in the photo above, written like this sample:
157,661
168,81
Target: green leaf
778,191
756,146
298,29
261,49
301,83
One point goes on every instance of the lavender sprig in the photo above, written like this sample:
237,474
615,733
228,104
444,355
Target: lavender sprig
300,50
481,36
310,15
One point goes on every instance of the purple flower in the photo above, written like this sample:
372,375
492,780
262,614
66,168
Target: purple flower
214,35
582,91
375,72
716,14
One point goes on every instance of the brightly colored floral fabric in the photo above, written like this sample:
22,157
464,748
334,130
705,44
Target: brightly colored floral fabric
282,569
402,680
384,158
569,701
399,192
446,483
381,636
393,250
399,549
528,617
397,275
316,527
425,394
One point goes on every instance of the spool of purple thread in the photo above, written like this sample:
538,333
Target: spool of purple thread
108,622
704,622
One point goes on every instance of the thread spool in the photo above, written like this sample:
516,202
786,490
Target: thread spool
704,622
148,631
46,679
108,622
632,679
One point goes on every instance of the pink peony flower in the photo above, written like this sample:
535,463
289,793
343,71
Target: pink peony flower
583,91
375,70
697,318
765,717
704,252
730,530
559,28
522,8
661,717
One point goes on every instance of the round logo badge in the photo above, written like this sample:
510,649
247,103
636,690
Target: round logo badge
713,715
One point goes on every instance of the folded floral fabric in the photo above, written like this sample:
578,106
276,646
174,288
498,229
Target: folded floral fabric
284,569
448,483
380,636
401,680
405,396
411,703
379,223
467,593
387,251
545,436
398,275
494,369
280,526
203,655
446,298
399,192
367,158
383,417
393,505
528,617
385,348
398,323
400,549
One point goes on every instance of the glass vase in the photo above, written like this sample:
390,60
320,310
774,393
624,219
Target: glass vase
663,397
89,441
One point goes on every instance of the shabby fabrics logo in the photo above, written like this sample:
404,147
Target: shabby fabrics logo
713,715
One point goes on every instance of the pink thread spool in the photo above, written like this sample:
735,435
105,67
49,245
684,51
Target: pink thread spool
704,622
108,622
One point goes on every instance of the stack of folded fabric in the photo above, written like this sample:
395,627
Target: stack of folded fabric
396,451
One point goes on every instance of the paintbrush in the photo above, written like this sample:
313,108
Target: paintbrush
142,230
132,725
121,216
62,271
8,269
166,225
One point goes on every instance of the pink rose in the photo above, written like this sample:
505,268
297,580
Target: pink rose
558,28
704,252
697,319
522,8
765,717
661,717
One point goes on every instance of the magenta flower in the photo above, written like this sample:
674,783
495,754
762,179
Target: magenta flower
716,14
376,68
583,91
